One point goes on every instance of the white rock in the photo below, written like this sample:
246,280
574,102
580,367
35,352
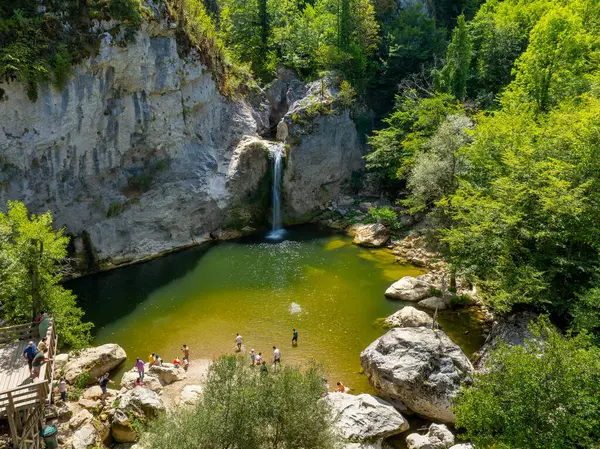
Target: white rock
434,303
409,317
84,437
141,402
463,446
60,360
130,377
93,393
364,417
80,418
190,394
167,373
371,235
437,437
95,361
409,289
418,366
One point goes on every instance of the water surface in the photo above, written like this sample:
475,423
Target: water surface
330,290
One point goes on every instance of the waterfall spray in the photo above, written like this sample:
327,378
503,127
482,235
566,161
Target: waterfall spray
277,230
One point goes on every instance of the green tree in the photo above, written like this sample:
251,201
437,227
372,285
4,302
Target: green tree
244,408
544,394
557,62
438,164
453,76
30,274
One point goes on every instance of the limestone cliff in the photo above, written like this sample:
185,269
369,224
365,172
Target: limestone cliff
140,153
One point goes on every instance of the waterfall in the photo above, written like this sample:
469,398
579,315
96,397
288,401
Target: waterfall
277,231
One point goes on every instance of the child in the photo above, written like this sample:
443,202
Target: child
186,364
138,382
176,362
62,388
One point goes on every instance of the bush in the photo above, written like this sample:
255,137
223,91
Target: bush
384,215
242,407
460,301
544,394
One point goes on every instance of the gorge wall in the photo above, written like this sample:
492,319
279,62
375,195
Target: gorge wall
140,153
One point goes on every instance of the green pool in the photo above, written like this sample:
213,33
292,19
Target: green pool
330,290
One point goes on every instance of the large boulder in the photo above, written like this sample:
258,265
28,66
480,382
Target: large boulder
141,402
409,289
437,437
122,428
512,330
463,446
85,437
364,417
130,377
82,417
434,303
371,235
95,361
420,367
409,317
167,373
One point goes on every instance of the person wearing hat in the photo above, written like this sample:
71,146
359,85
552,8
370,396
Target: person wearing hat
29,354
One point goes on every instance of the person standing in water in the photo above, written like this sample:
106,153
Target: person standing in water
258,358
276,356
238,342
186,352
294,337
252,357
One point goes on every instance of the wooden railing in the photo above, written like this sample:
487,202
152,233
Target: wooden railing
24,406
20,332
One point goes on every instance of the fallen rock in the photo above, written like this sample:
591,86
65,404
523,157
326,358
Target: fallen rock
89,404
364,417
151,382
141,402
409,317
80,419
122,429
512,330
434,303
437,437
93,393
409,289
167,373
420,367
371,235
463,446
95,361
60,360
85,437
190,394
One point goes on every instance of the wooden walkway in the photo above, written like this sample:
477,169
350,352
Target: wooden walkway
14,371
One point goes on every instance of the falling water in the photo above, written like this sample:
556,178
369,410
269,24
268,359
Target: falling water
277,231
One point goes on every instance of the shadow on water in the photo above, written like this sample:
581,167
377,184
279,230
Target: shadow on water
107,296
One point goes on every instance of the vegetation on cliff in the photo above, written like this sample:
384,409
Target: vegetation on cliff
243,406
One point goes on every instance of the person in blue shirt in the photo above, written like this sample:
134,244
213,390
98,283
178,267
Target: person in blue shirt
294,337
29,354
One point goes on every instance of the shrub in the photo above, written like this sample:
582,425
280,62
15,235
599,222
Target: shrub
115,208
436,292
544,394
460,301
384,215
242,407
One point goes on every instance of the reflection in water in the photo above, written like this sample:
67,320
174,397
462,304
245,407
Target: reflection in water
328,289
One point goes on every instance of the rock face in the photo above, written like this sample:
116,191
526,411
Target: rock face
371,235
512,330
96,361
85,437
437,437
141,404
409,289
409,317
420,367
364,418
322,150
141,152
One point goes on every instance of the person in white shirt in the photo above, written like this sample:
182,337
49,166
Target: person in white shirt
258,358
276,356
238,342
